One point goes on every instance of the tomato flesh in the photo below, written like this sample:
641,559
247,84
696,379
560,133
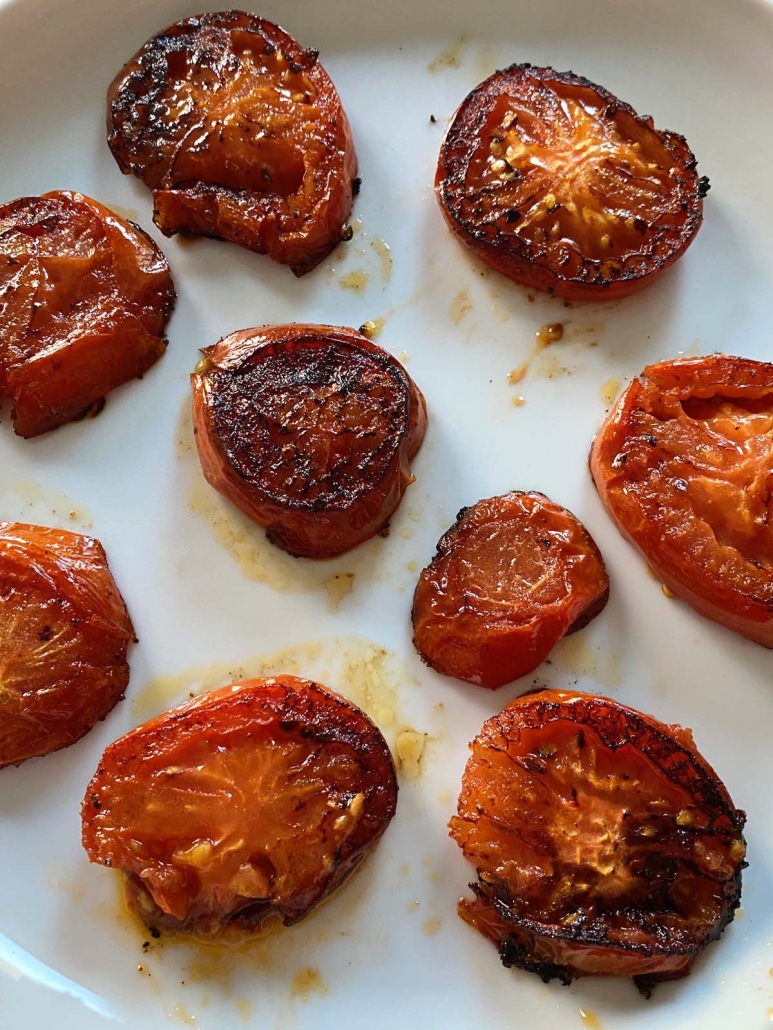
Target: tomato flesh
64,633
240,134
84,301
684,465
510,578
561,186
254,799
604,843
310,430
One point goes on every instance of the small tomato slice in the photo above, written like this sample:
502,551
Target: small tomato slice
64,633
684,466
84,300
512,576
257,798
604,843
560,186
240,134
310,430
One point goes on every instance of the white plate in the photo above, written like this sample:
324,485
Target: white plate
388,950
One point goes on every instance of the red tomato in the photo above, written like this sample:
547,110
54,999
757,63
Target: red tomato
310,430
559,185
257,798
511,577
64,633
603,842
240,134
684,465
84,301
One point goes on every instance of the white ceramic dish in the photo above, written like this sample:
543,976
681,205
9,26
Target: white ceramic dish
388,950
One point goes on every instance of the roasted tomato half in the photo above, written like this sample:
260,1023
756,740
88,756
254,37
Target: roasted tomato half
84,301
259,798
511,577
310,430
559,185
684,465
240,134
603,842
64,633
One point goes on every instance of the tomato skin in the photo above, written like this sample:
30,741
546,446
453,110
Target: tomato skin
657,213
605,844
94,319
64,634
280,422
276,169
475,617
682,465
258,797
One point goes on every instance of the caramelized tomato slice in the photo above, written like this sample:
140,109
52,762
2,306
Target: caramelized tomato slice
257,798
603,842
310,430
64,633
684,465
84,301
240,134
559,185
509,579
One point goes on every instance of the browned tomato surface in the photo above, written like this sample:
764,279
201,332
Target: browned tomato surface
84,300
259,798
240,134
684,465
559,185
603,842
310,430
64,633
511,577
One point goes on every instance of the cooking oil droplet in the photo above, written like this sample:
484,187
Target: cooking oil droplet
590,1020
609,391
550,333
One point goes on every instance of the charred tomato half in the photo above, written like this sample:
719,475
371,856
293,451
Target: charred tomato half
560,186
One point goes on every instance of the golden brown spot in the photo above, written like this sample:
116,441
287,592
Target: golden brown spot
306,982
410,748
372,328
338,586
550,333
461,306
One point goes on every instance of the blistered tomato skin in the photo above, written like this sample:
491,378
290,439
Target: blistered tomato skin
253,800
64,635
560,186
683,466
512,576
604,843
241,135
310,430
84,301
